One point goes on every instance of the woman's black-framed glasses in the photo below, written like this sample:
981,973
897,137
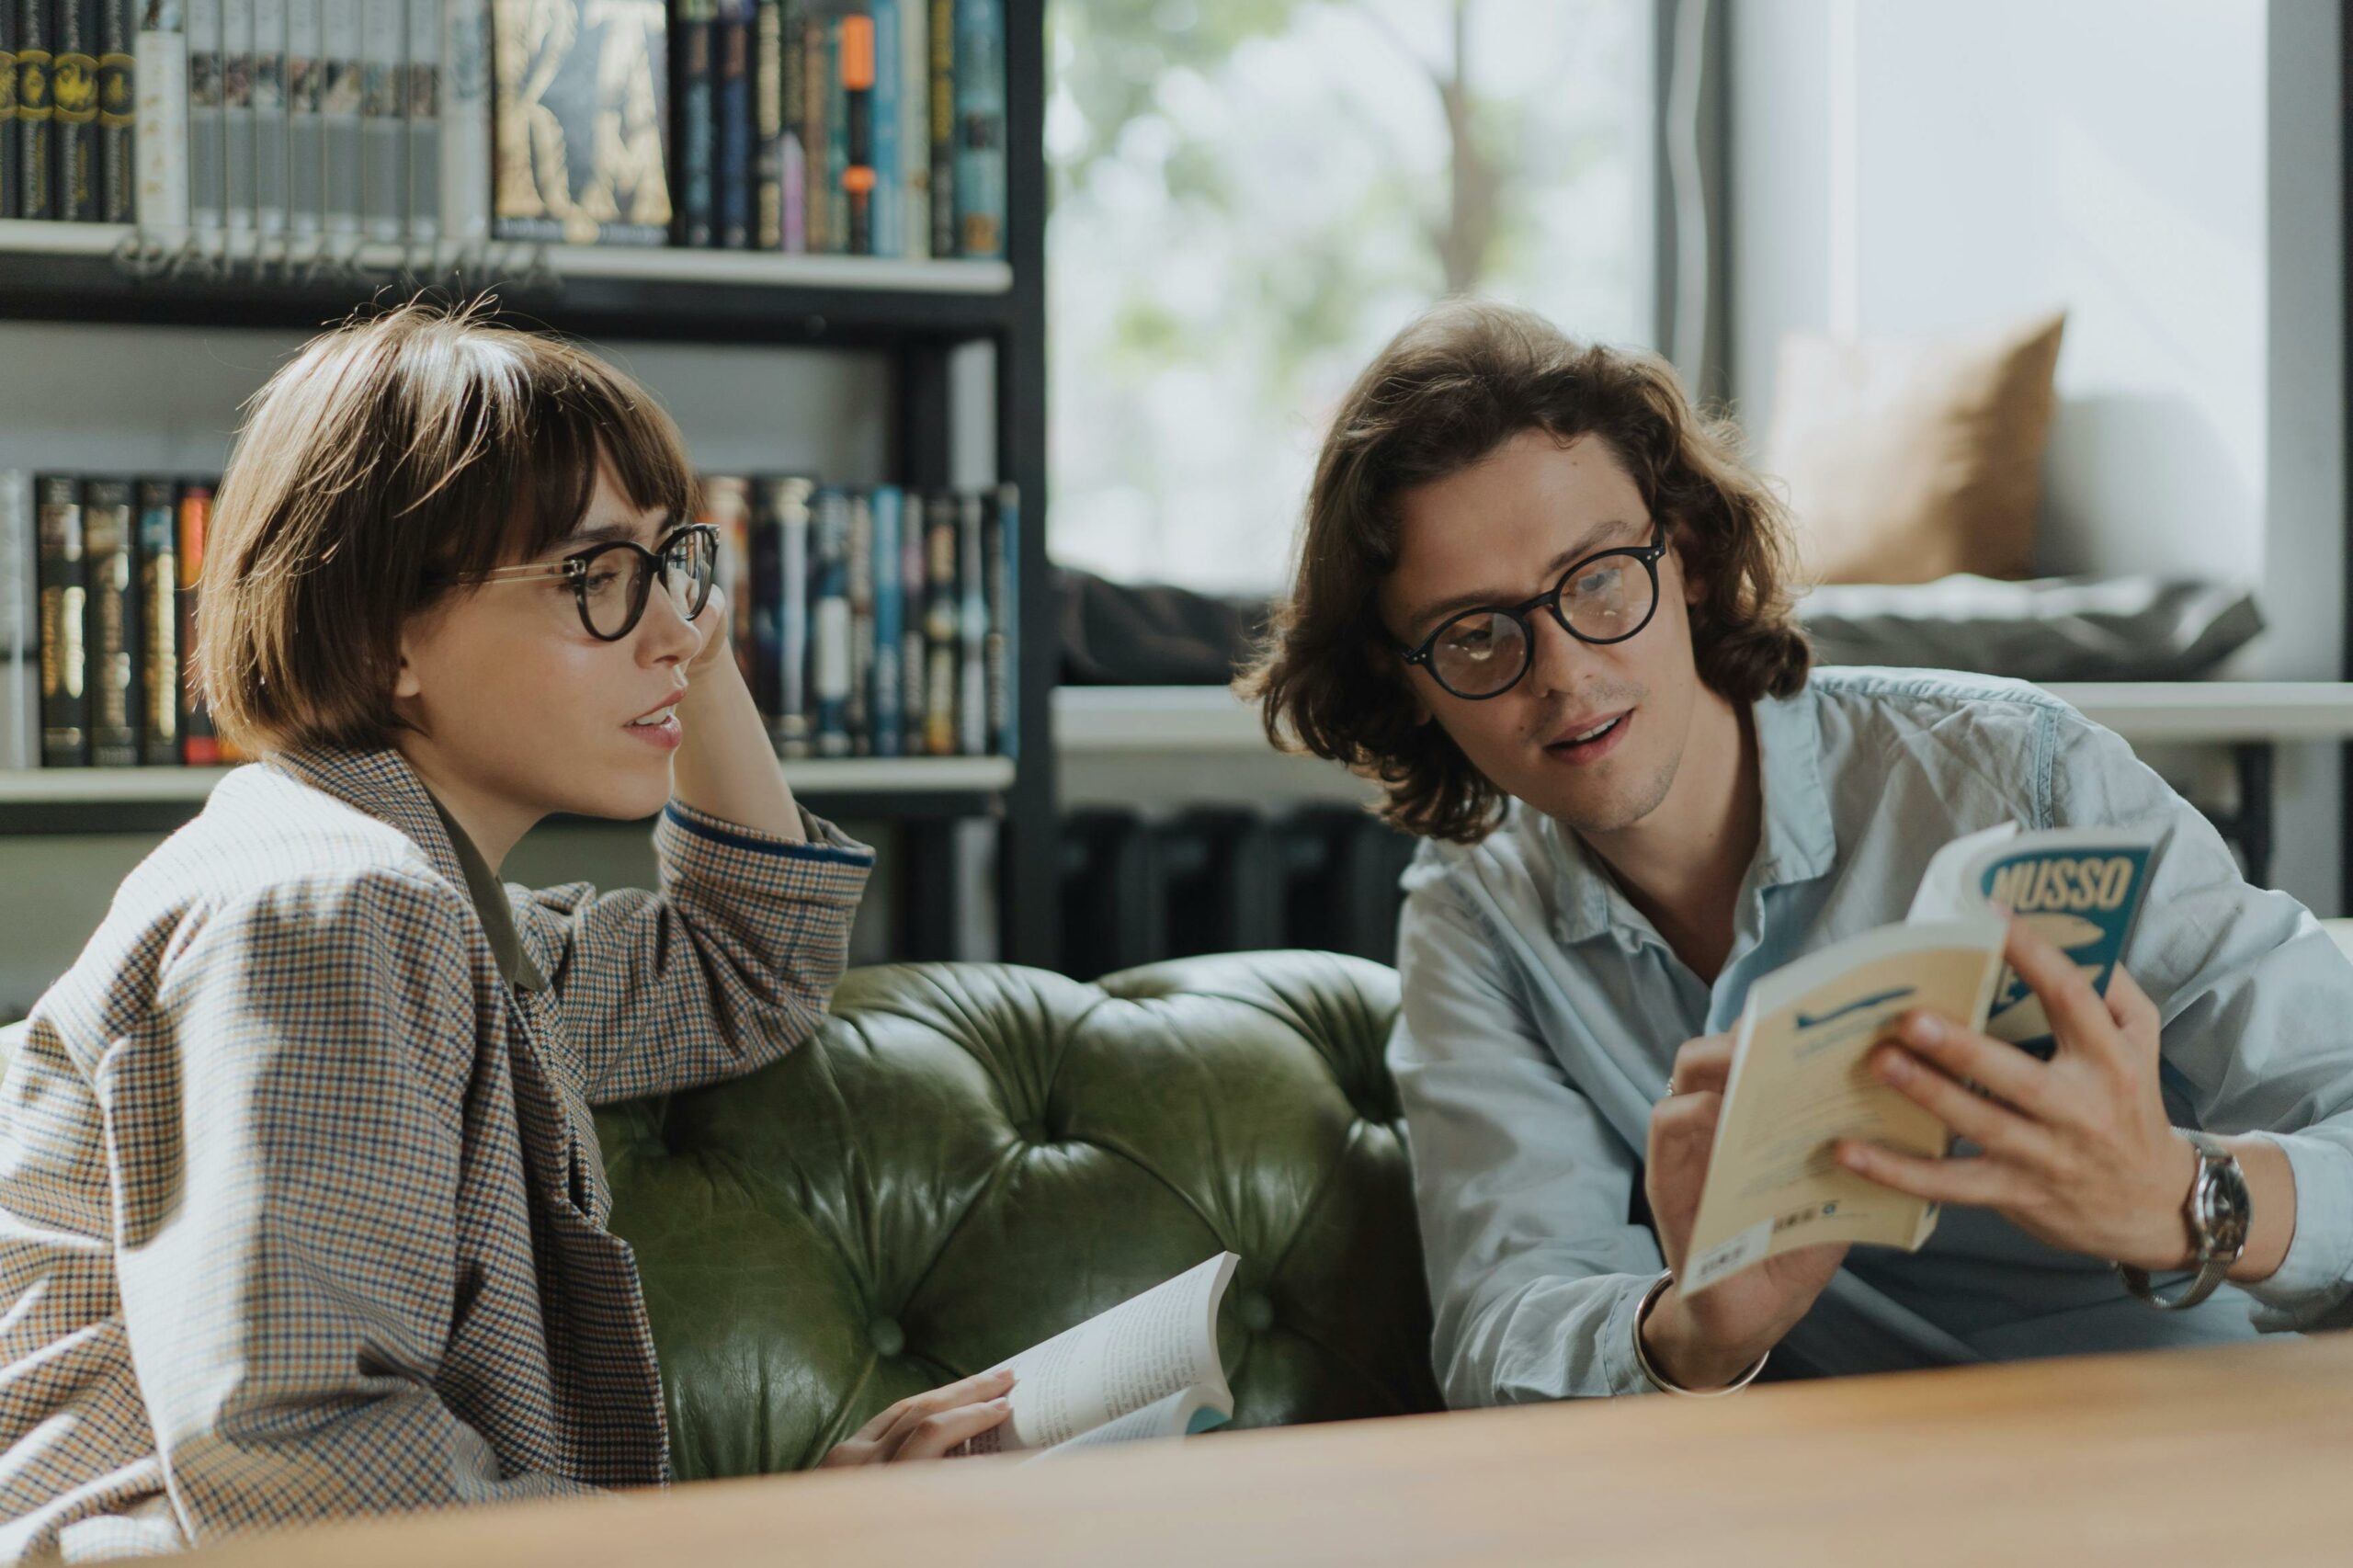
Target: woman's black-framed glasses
612,583
1483,652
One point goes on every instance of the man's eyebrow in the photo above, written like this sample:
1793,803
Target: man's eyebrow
1430,614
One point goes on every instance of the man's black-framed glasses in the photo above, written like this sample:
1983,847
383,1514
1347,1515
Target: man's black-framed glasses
612,583
1606,597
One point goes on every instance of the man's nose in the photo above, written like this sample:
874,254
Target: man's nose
1555,656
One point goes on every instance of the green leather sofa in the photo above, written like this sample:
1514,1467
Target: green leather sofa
971,1157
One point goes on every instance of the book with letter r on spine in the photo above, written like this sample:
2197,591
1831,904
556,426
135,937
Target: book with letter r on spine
1801,1068
1149,1368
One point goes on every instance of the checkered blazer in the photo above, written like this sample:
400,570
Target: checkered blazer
302,1210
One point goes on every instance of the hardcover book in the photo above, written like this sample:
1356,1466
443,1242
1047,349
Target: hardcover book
161,140
732,179
208,147
941,630
118,112
383,120
12,168
860,713
973,627
579,111
1000,552
829,656
237,115
465,123
696,135
19,624
784,594
306,176
64,588
113,625
272,173
421,107
156,560
198,746
888,704
36,110
74,92
767,125
980,128
342,105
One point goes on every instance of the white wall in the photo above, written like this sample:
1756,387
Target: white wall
2166,170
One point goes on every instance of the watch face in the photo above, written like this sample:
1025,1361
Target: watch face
2226,1209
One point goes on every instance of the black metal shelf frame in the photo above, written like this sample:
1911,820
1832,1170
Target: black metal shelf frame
919,327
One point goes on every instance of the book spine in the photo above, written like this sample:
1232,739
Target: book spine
732,101
36,110
941,119
829,658
208,151
113,622
12,155
342,105
911,663
237,115
915,127
159,624
835,107
696,121
767,125
160,142
980,128
306,176
792,154
272,175
727,506
64,594
384,134
74,93
939,626
887,204
859,716
972,627
118,112
858,131
465,122
1001,551
890,618
19,624
768,576
791,503
421,107
816,215
198,746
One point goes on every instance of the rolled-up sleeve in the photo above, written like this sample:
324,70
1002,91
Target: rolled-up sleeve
1523,1190
2257,1007
732,963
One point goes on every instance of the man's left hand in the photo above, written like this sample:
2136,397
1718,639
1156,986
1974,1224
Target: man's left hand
2079,1150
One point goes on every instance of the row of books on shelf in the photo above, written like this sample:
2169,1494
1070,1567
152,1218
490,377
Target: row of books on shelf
844,127
873,621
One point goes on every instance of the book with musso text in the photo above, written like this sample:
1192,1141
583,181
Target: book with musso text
1801,1075
1149,1368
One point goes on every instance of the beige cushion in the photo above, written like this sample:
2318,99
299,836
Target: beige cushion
1908,459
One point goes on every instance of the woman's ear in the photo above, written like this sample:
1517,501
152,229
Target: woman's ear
406,685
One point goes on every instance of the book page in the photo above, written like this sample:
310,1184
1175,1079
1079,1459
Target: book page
1180,1415
1148,1347
1801,1080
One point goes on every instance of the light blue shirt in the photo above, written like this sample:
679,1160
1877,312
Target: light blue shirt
1543,1012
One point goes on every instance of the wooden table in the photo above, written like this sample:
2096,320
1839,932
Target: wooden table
2212,1457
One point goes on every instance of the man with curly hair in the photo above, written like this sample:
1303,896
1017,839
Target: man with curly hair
1540,601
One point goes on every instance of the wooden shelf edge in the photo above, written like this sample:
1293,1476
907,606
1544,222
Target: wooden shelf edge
514,260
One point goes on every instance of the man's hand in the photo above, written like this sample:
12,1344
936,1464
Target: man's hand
1707,1340
926,1425
2078,1151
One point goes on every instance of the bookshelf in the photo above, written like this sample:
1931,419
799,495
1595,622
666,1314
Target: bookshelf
920,315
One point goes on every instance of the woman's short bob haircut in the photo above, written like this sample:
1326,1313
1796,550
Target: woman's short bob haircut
1447,392
388,461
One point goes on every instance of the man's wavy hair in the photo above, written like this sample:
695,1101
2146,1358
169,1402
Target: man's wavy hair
1447,392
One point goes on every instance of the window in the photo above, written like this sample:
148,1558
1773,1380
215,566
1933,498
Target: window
1252,196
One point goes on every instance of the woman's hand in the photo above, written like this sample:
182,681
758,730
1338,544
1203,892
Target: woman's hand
926,1425
1707,1340
2078,1151
717,642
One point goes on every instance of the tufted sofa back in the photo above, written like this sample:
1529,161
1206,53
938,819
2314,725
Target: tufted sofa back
971,1158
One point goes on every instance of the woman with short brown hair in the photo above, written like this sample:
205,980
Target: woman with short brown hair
301,1209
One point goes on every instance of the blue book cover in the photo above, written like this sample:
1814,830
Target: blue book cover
889,203
732,65
980,128
829,629
2080,888
890,618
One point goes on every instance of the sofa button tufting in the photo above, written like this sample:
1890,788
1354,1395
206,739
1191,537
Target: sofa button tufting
887,1337
1256,1312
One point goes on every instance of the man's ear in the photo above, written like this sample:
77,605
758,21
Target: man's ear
1678,539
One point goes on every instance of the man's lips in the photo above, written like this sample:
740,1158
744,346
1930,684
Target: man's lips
1583,732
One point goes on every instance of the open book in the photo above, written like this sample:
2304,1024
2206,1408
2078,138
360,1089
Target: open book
1801,1075
1148,1368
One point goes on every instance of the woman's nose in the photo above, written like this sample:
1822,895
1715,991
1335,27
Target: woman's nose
665,633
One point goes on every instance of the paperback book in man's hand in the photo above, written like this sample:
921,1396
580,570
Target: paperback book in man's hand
1801,1069
1148,1368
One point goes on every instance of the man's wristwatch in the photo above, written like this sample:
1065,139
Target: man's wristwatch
2218,1210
